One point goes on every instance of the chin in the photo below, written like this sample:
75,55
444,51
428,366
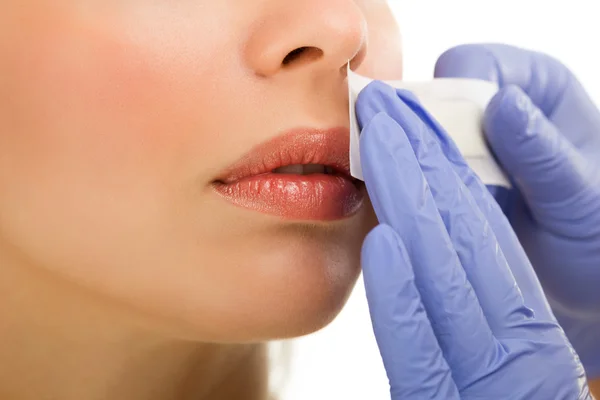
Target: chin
279,281
295,286
305,302
309,306
311,283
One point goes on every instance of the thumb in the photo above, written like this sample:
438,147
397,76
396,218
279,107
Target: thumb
544,78
546,167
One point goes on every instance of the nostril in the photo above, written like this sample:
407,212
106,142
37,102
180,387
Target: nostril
307,53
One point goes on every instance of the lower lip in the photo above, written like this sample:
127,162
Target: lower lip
296,197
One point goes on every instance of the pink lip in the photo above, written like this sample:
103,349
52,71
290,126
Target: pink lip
250,182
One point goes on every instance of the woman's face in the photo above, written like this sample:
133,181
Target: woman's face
128,129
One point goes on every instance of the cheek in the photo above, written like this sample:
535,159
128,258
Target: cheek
103,148
384,56
301,275
103,109
77,104
96,132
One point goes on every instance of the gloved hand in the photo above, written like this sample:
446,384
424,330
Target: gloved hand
449,318
545,131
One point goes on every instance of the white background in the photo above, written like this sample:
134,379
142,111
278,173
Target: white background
342,360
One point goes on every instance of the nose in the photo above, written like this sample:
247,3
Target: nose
313,34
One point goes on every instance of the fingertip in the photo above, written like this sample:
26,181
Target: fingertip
474,61
380,135
382,234
375,134
531,148
508,110
382,245
385,264
371,100
407,96
509,120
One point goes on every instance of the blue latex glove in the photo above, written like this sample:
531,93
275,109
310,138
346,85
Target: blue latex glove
449,318
545,131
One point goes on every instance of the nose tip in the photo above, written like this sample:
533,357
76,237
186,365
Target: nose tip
324,36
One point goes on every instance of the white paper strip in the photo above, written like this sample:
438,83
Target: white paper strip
456,104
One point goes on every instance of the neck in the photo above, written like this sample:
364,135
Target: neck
61,345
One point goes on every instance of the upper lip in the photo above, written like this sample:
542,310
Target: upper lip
328,147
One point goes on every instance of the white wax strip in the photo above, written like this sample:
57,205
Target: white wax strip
456,104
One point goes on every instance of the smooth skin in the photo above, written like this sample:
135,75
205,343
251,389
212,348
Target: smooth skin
123,275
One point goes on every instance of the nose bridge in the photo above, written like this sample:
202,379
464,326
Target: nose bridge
308,32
